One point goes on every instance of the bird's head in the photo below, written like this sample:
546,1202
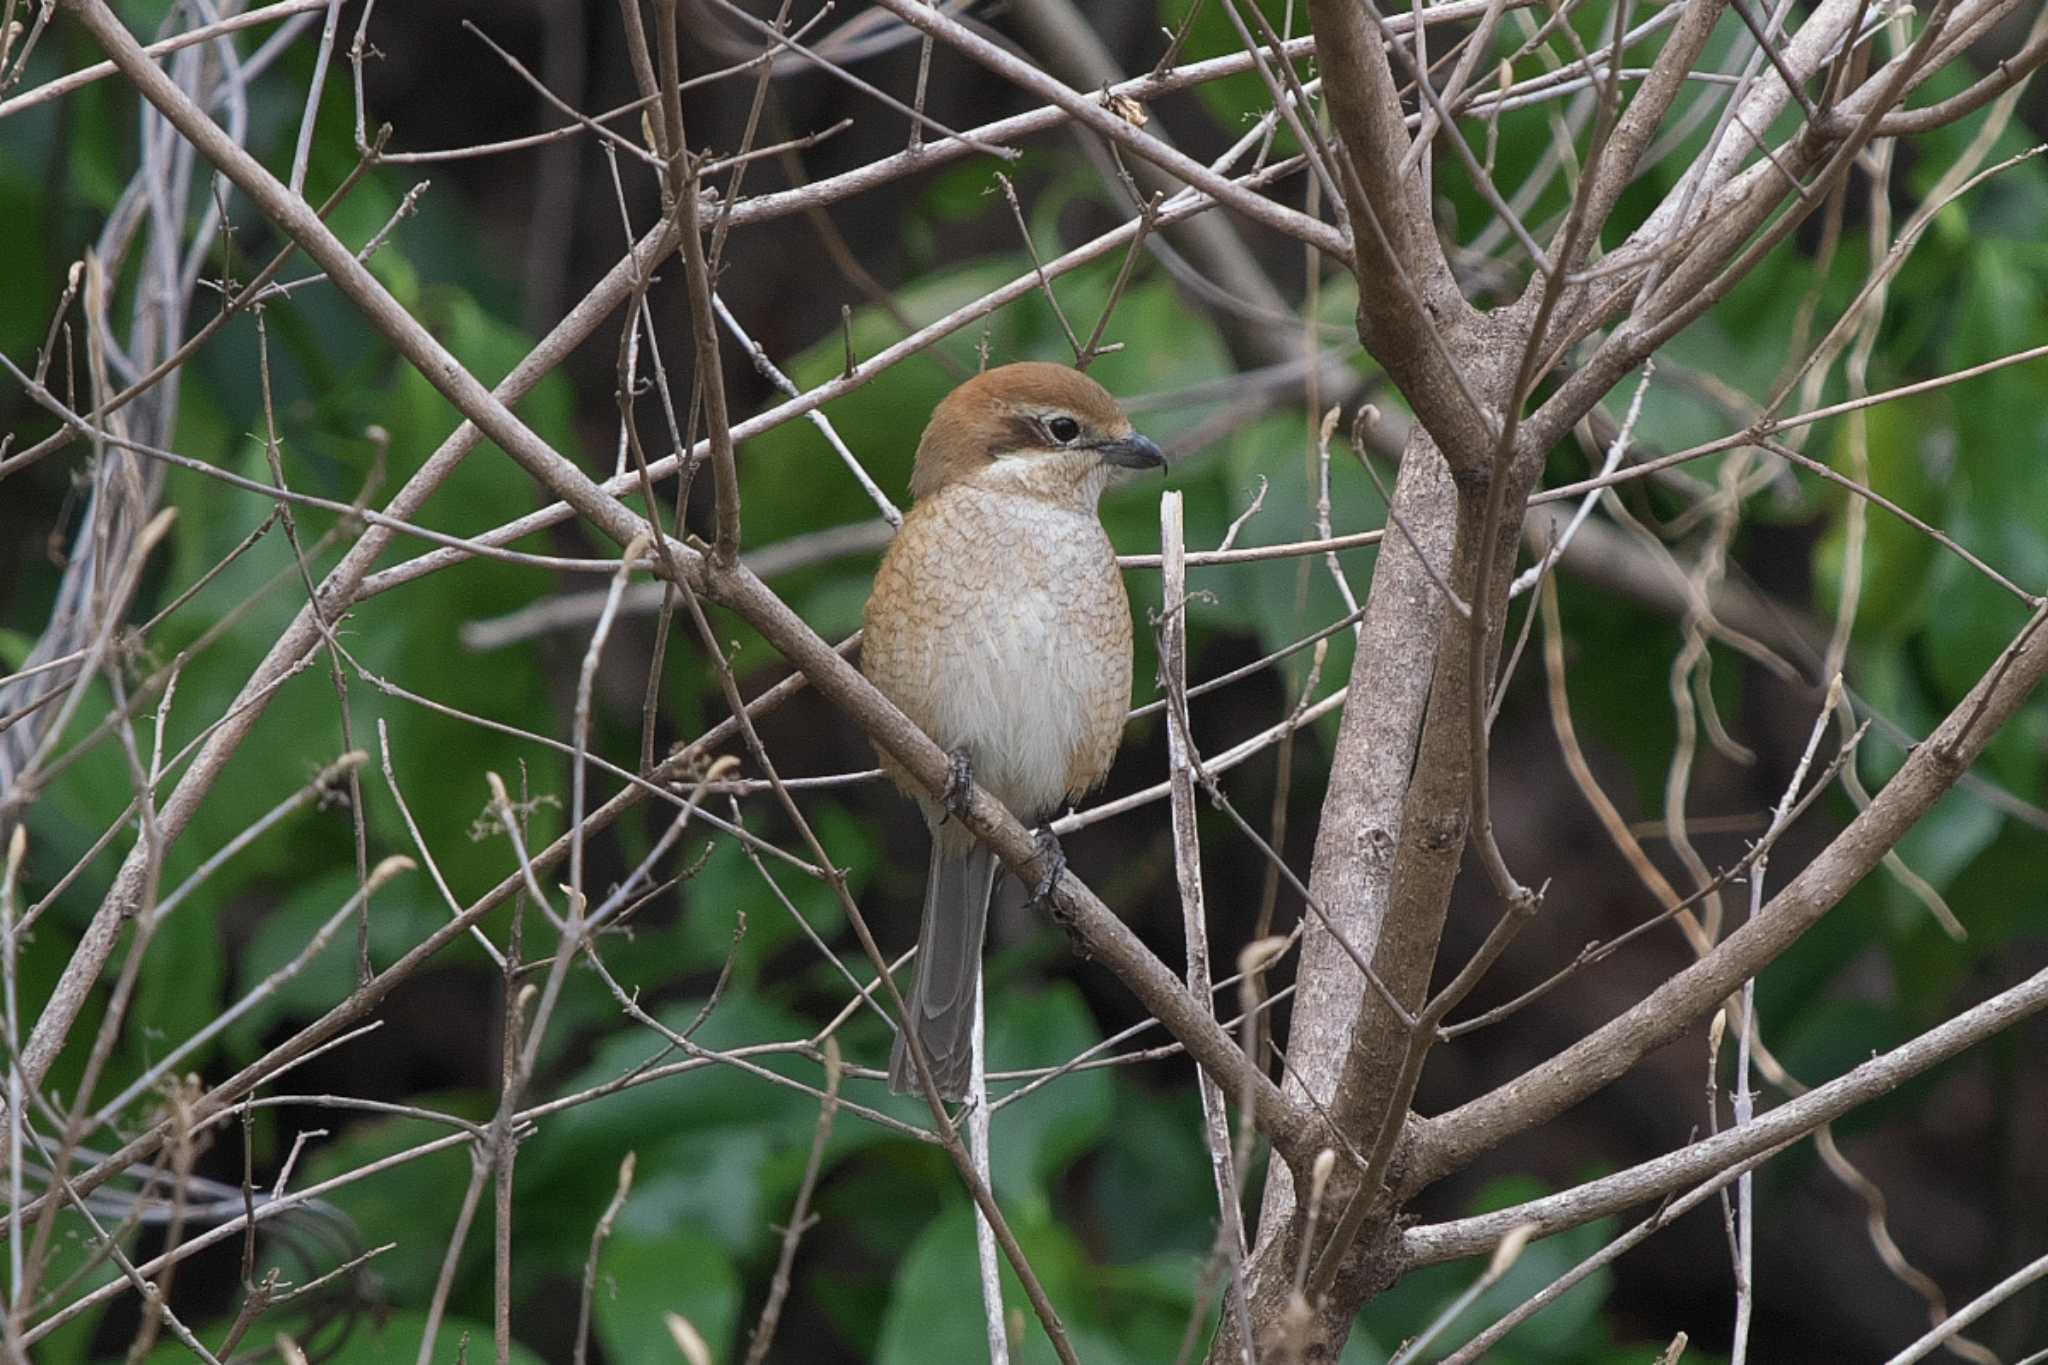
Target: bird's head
1042,430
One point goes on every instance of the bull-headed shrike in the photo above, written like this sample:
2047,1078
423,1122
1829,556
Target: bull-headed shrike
1000,626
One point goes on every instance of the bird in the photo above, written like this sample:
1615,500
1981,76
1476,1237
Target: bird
999,624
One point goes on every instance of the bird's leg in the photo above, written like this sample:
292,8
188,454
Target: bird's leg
1056,863
959,784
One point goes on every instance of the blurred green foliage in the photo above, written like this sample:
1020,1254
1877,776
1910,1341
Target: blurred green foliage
1103,1176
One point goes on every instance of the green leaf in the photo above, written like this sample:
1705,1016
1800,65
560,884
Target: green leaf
711,1142
642,1279
387,1339
1153,1157
1896,556
412,1203
398,920
1032,1141
935,1308
395,1340
731,884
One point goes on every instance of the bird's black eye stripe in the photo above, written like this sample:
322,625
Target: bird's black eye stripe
1063,429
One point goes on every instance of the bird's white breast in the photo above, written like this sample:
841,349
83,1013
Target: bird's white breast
1000,625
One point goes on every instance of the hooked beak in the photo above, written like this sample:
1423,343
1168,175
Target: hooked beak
1132,452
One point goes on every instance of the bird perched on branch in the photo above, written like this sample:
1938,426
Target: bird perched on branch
999,624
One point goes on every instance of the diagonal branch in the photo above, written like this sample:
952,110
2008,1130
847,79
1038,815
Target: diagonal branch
1450,1141
1704,1159
1090,111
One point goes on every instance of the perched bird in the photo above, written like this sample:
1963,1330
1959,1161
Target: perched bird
999,624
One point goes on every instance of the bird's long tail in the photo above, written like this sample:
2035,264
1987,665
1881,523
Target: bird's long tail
941,1004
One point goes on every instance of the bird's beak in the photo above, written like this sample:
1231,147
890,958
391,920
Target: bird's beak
1132,452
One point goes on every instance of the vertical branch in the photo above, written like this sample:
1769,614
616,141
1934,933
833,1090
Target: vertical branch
924,75
979,1151
437,1306
800,1215
504,1145
1187,862
1406,292
302,153
1351,874
684,185
598,1236
709,396
1385,1051
1369,771
273,454
1367,113
10,880
1744,1099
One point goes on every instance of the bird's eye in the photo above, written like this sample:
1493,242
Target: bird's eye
1063,429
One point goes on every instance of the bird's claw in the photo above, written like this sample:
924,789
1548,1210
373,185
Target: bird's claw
959,784
1055,859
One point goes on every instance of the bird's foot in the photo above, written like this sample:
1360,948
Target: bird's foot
1055,859
959,784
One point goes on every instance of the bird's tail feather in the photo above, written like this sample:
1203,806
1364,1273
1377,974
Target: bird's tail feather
941,1004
